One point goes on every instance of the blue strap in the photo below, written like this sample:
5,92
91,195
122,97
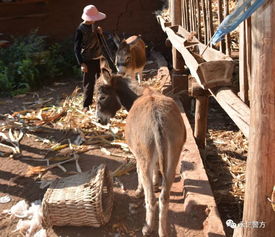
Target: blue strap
231,22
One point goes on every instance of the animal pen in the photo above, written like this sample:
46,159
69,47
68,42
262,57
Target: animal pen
189,26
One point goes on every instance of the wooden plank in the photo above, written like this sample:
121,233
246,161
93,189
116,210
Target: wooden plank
260,175
237,110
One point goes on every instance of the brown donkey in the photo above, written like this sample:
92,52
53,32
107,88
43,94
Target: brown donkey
131,57
155,133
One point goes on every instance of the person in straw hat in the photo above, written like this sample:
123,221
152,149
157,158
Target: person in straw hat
88,51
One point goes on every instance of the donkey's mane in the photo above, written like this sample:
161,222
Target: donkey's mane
125,82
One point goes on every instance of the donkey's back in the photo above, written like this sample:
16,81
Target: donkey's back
155,133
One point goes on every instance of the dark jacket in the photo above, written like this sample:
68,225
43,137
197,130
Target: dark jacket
86,44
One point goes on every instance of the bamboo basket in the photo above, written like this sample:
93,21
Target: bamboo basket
85,199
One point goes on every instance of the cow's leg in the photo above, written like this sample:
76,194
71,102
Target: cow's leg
150,199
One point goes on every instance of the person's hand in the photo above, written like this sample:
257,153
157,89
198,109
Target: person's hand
99,30
84,67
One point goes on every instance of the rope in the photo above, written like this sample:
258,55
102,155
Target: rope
108,53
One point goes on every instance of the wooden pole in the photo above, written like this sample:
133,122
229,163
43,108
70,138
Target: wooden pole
183,14
204,22
227,36
244,59
201,114
210,20
260,171
199,19
220,19
188,15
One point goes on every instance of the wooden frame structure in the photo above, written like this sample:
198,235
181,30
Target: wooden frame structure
257,87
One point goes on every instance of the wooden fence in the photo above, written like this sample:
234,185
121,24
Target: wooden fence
257,86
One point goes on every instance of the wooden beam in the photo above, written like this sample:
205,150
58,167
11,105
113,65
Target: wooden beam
260,175
237,110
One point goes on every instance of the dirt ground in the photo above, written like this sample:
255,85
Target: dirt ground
15,182
18,184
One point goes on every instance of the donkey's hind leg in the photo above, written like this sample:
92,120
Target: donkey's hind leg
150,200
167,181
139,191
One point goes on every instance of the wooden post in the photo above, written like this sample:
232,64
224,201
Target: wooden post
201,114
260,171
201,111
178,62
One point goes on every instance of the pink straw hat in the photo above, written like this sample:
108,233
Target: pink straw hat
90,13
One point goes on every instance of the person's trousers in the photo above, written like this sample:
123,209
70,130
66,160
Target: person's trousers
89,79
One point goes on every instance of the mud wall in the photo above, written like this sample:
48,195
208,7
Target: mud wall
59,19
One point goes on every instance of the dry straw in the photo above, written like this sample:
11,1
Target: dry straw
85,199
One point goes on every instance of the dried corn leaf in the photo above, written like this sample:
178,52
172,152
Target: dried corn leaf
125,168
36,170
58,147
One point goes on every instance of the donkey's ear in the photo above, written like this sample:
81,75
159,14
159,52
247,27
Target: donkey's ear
123,44
107,77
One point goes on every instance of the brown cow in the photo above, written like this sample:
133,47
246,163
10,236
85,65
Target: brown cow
131,57
155,134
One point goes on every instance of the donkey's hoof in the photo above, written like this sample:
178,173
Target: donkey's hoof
146,230
139,193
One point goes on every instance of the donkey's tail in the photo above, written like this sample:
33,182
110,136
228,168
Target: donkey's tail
161,147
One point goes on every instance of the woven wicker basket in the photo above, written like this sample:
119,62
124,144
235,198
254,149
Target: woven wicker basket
84,199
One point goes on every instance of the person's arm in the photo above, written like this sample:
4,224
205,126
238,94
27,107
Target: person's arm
77,50
77,46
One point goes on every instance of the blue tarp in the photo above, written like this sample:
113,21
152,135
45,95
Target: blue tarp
241,13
